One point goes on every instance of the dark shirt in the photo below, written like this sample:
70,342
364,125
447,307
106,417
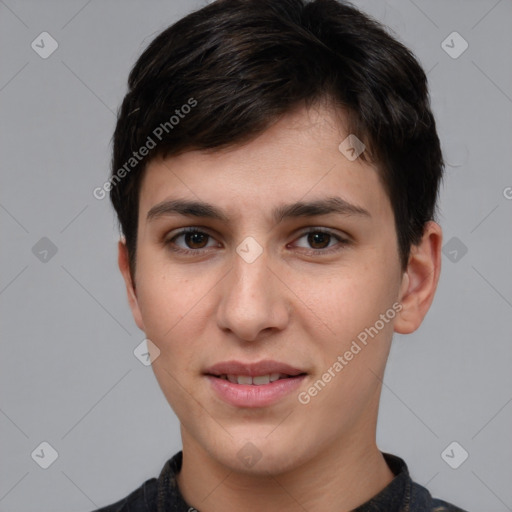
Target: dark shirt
401,495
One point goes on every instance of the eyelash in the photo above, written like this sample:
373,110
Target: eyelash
342,241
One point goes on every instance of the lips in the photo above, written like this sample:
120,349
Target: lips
262,368
254,384
252,369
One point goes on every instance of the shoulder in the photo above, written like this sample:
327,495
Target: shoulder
142,499
443,506
422,500
160,493
413,496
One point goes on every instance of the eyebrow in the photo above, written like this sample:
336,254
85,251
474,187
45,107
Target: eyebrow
201,209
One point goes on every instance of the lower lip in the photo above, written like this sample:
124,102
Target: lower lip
249,395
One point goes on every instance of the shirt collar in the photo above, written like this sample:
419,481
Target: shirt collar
395,497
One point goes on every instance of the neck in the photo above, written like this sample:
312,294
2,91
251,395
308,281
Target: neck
337,479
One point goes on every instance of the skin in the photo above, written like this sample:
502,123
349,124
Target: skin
290,305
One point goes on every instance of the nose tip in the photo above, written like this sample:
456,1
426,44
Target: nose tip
253,301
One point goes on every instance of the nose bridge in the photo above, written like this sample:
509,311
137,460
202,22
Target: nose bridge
251,276
251,269
251,260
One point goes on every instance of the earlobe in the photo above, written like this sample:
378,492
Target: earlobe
420,280
124,267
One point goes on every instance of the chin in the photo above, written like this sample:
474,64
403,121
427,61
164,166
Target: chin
258,455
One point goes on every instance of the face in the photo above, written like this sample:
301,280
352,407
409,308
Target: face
257,279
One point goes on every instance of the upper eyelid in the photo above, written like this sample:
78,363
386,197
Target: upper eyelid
188,229
208,231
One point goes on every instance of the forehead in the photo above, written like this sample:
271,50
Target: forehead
297,159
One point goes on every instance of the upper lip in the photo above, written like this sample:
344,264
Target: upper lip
252,369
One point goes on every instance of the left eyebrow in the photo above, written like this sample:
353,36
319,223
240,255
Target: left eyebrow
201,209
319,207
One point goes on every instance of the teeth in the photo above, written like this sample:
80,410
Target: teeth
262,379
259,380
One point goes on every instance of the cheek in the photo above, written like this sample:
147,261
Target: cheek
158,304
166,311
163,303
163,292
174,303
168,292
344,301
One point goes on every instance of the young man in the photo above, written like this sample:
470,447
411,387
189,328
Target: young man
275,174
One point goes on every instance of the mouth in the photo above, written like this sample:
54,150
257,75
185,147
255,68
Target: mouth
257,380
253,384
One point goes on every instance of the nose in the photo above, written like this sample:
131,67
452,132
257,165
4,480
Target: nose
253,299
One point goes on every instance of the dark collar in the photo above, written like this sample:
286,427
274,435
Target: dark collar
395,497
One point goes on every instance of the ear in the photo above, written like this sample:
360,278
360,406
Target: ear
419,282
124,267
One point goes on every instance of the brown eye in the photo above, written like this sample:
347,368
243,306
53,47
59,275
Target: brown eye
318,239
191,240
196,239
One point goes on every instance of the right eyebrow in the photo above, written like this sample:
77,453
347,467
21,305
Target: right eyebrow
187,208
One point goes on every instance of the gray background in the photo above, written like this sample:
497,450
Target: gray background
68,375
